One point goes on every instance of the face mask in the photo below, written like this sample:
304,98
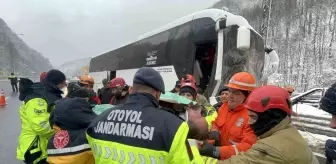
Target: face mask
65,91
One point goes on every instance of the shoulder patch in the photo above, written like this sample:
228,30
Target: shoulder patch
240,122
39,111
61,139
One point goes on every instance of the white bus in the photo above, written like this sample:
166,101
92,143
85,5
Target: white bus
210,44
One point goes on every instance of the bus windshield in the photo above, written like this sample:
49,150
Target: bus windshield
234,60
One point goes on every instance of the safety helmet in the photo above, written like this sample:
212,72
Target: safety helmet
189,84
189,87
188,78
116,82
268,97
86,79
242,81
289,89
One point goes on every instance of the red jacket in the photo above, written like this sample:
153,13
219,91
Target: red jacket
236,134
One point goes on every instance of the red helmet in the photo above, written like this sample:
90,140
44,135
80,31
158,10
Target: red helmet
268,97
188,78
116,82
189,84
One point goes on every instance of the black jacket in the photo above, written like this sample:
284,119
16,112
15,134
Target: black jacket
146,109
72,116
13,79
105,95
328,101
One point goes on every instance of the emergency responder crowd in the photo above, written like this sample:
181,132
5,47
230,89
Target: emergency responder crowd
249,125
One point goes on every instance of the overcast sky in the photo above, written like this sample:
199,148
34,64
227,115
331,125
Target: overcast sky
64,30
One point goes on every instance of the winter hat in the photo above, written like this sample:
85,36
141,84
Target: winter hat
149,77
188,89
55,77
225,88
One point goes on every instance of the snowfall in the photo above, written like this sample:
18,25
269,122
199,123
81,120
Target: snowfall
316,116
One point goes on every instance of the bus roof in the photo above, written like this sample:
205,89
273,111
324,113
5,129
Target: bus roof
214,14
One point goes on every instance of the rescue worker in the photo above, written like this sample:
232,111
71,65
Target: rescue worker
43,76
189,91
38,101
138,131
13,80
177,87
200,99
104,93
87,81
330,151
224,95
230,130
279,142
70,118
119,91
328,104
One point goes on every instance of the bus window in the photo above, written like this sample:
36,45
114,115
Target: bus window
182,51
234,60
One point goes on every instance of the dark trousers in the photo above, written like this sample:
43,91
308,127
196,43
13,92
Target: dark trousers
330,148
14,87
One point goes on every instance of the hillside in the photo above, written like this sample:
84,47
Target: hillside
17,55
74,68
302,32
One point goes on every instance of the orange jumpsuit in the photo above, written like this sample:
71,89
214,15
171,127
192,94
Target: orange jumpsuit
235,132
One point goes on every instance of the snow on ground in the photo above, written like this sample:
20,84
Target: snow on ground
315,140
309,110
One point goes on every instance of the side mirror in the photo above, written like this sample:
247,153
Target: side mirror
243,38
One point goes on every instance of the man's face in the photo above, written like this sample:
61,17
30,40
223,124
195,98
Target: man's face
236,97
187,95
253,117
224,96
117,91
62,85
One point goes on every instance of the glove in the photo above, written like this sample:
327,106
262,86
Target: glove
214,135
209,150
268,49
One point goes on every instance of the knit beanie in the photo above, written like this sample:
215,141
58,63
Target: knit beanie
188,89
55,77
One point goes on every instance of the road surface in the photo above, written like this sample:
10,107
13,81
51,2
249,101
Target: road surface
10,126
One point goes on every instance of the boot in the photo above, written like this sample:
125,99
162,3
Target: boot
333,122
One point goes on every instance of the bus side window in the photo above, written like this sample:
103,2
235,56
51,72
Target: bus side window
183,49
